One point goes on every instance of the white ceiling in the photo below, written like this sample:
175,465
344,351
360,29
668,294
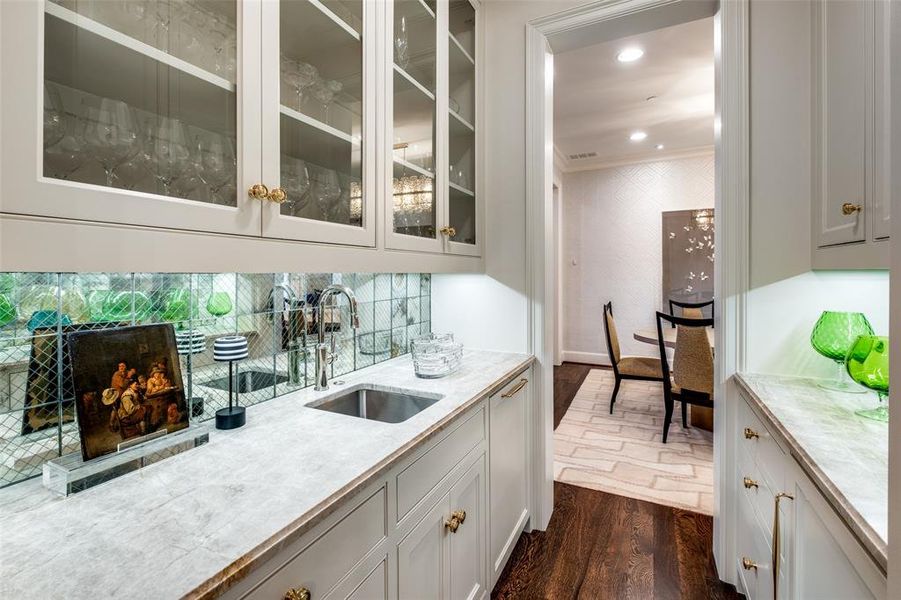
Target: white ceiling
599,101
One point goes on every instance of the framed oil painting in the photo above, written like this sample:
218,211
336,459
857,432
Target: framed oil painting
127,385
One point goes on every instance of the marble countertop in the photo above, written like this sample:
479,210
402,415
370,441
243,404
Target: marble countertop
845,455
194,523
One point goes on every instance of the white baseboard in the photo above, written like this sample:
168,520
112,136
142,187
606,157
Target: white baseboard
590,358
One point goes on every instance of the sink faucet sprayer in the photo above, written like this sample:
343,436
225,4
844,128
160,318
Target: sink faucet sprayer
325,352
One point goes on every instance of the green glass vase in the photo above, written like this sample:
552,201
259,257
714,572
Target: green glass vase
7,310
867,364
219,304
832,336
179,306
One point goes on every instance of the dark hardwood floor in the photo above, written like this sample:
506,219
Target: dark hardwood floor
598,545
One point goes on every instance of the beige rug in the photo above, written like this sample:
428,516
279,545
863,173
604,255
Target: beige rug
624,454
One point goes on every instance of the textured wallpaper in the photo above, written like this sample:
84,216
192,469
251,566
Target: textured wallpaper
612,246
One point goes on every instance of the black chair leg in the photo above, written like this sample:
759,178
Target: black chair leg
668,418
684,415
615,392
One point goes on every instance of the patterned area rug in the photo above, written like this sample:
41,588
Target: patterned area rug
624,453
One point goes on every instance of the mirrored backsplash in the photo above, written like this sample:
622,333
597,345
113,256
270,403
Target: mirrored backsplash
276,312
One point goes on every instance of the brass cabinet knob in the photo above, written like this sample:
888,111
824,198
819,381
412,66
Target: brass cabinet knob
258,191
457,518
749,483
297,594
751,434
748,564
277,195
849,208
448,231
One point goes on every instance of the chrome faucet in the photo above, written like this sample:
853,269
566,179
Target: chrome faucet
325,352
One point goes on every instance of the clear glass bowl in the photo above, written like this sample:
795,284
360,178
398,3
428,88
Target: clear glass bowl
435,355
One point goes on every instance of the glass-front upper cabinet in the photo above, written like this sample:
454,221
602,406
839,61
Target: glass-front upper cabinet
321,120
461,109
413,206
137,104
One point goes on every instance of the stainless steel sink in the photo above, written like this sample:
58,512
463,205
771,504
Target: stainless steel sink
377,404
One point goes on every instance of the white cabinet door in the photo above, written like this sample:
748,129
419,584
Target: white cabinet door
508,460
423,558
843,47
826,561
132,113
319,119
467,544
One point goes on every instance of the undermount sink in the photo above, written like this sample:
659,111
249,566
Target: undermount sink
248,381
377,404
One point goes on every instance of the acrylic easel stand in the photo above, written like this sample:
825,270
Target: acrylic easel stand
70,474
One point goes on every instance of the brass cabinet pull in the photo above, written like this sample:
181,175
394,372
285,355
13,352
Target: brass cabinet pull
777,541
297,594
457,518
751,434
748,564
277,195
258,191
749,483
849,208
522,383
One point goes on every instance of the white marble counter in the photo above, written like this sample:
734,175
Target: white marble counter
190,525
845,455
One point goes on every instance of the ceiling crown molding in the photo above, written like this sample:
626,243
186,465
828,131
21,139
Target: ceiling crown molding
606,163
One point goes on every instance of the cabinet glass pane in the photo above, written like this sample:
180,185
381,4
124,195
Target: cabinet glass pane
461,122
141,95
414,118
322,109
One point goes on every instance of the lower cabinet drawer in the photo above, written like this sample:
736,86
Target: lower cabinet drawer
331,556
758,442
753,556
754,485
417,480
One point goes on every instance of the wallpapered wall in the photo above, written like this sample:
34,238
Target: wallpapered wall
36,417
611,247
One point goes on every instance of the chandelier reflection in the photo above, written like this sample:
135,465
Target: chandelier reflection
414,201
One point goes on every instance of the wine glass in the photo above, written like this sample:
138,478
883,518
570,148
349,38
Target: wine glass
111,133
401,45
68,155
299,76
868,364
324,92
832,337
215,160
327,191
295,179
54,124
170,149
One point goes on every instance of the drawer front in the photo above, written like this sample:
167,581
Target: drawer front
756,439
760,497
751,545
327,560
417,480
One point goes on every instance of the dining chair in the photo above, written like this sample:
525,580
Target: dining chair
690,381
637,368
690,310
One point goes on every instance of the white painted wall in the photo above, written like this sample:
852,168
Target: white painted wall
612,248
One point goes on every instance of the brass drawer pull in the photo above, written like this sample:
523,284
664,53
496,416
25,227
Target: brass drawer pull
522,383
849,208
777,541
751,434
297,594
748,564
749,483
457,518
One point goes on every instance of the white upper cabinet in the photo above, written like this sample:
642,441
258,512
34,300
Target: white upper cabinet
850,126
351,124
131,112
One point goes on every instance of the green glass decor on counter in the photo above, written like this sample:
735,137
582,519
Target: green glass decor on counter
7,310
868,364
832,336
178,306
219,304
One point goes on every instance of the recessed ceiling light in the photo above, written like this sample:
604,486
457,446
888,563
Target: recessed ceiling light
659,146
630,54
638,136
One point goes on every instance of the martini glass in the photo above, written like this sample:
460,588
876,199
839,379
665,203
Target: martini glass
832,337
868,364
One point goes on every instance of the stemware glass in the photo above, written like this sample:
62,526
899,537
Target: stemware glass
324,91
299,76
54,124
832,337
401,45
295,178
327,191
215,161
170,149
68,155
867,363
111,133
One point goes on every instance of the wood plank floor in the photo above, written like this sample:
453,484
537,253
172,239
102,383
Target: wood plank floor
598,545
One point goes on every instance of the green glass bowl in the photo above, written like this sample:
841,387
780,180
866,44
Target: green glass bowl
834,333
867,363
